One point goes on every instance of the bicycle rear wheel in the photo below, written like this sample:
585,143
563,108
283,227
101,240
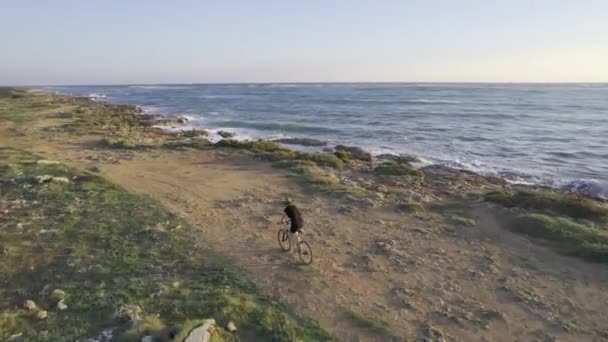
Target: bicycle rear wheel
305,253
284,240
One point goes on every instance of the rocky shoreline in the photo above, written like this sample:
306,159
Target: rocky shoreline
171,127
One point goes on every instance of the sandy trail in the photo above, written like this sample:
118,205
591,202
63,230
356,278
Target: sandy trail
478,283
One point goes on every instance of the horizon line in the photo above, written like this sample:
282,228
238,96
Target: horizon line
304,83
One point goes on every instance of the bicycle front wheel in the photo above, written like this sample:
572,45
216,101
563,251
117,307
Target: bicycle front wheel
284,240
305,253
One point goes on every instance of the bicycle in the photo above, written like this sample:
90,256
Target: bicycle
303,249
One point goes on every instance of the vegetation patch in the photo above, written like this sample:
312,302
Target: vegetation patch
354,152
397,169
127,143
372,324
21,106
463,220
317,178
323,159
80,256
570,238
572,205
410,207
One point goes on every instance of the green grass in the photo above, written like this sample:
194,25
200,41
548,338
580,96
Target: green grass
272,151
99,247
574,206
569,237
372,324
20,106
463,220
324,159
353,152
397,169
127,143
318,179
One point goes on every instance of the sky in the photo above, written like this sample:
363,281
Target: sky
188,41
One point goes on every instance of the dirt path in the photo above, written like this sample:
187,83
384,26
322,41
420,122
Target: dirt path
377,273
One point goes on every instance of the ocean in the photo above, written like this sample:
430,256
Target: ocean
546,134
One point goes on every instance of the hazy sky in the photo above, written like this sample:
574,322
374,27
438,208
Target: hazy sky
158,41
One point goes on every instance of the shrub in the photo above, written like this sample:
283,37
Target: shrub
570,237
324,159
397,169
571,205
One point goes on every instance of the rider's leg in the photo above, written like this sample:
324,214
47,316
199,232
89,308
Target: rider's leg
295,239
298,239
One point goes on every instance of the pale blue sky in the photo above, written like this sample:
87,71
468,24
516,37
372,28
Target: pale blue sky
92,42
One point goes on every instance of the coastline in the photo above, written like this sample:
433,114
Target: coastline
401,252
446,136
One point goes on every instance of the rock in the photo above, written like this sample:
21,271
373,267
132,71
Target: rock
428,333
16,338
355,152
147,339
104,336
231,326
369,264
48,162
63,180
61,305
302,142
132,312
30,305
404,159
41,314
193,133
43,178
58,294
170,121
226,135
93,168
383,246
202,333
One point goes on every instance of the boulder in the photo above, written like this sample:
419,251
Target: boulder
355,152
61,305
44,178
131,312
202,333
30,305
231,327
170,121
41,314
226,135
193,133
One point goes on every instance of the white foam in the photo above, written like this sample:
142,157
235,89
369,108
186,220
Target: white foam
590,187
98,97
433,101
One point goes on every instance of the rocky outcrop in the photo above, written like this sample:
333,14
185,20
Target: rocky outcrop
301,141
226,135
355,152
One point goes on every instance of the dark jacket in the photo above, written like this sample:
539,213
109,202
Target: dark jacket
294,215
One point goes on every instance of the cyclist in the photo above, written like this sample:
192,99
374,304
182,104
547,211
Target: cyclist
295,217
